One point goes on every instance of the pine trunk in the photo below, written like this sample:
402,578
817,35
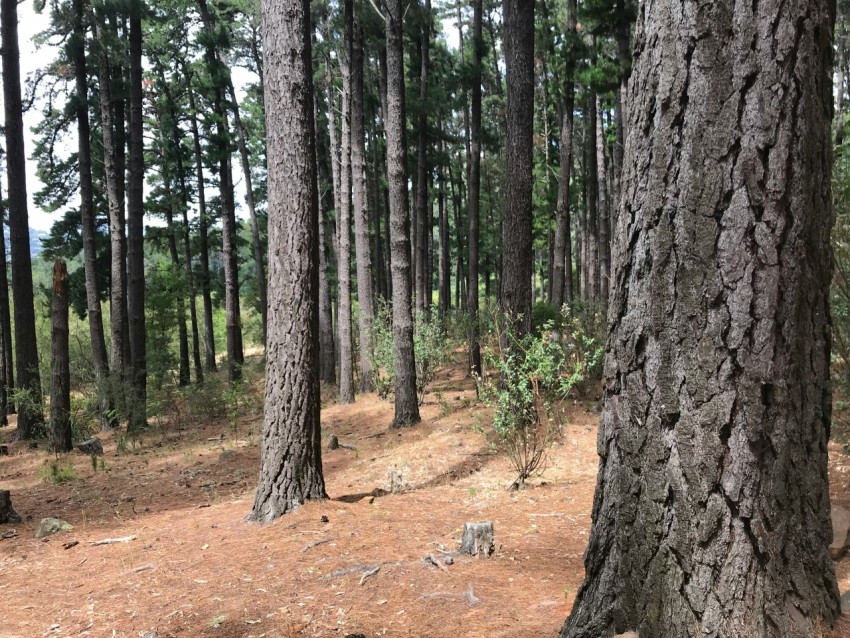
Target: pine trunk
711,516
406,397
604,230
474,207
30,415
422,207
8,406
291,462
60,378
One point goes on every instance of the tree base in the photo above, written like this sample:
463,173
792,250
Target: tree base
477,539
7,514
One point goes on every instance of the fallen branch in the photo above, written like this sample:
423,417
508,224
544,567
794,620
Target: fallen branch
110,541
310,546
140,568
430,558
371,572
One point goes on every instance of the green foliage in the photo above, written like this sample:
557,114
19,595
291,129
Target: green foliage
57,472
530,376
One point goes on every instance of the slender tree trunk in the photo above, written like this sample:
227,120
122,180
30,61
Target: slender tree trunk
592,237
291,460
30,415
359,197
604,230
183,378
406,396
422,207
100,363
203,226
60,378
516,226
711,515
445,269
136,228
6,321
256,244
117,236
474,206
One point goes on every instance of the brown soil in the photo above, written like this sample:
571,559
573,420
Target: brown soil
196,568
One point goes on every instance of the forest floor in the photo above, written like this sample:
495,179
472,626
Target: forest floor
197,568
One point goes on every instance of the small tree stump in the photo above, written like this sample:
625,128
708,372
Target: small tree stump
334,444
4,450
478,539
7,514
93,446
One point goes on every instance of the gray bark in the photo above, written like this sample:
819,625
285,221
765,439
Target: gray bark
406,398
474,206
711,516
291,461
60,362
603,202
422,205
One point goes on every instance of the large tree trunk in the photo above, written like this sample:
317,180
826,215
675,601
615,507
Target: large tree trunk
516,226
30,415
203,229
406,397
60,362
291,462
422,205
77,46
117,232
256,244
136,228
711,516
474,204
359,198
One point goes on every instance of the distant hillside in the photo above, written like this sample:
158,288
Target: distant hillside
35,240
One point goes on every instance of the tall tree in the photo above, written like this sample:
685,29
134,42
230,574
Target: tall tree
136,227
517,261
60,378
406,398
77,51
421,213
8,405
291,461
30,415
474,204
711,514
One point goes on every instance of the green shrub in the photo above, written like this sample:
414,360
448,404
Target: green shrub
57,472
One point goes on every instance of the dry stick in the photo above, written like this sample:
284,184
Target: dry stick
109,541
371,572
430,558
310,546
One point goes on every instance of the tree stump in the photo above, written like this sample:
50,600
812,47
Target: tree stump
7,514
91,446
334,444
478,539
4,450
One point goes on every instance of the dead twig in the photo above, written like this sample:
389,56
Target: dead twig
371,572
310,546
110,541
430,558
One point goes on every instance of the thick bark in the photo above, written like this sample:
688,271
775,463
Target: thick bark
711,516
117,232
232,315
359,198
291,461
30,415
516,225
60,363
474,200
256,244
135,229
406,398
203,229
77,50
343,230
422,205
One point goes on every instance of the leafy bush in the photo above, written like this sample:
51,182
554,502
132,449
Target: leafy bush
530,375
431,349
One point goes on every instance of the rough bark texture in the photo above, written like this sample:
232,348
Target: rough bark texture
406,398
591,238
359,198
60,363
478,539
603,203
30,415
327,351
77,49
7,513
516,226
135,228
422,204
474,204
291,462
712,515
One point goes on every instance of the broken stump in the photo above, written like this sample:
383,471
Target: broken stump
334,444
7,514
477,539
91,447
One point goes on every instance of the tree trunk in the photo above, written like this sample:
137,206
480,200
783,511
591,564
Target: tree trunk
30,415
8,406
136,228
604,229
60,378
516,226
592,237
117,232
256,244
77,50
406,397
343,232
711,516
474,203
183,377
359,197
445,268
422,207
203,225
7,513
291,461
